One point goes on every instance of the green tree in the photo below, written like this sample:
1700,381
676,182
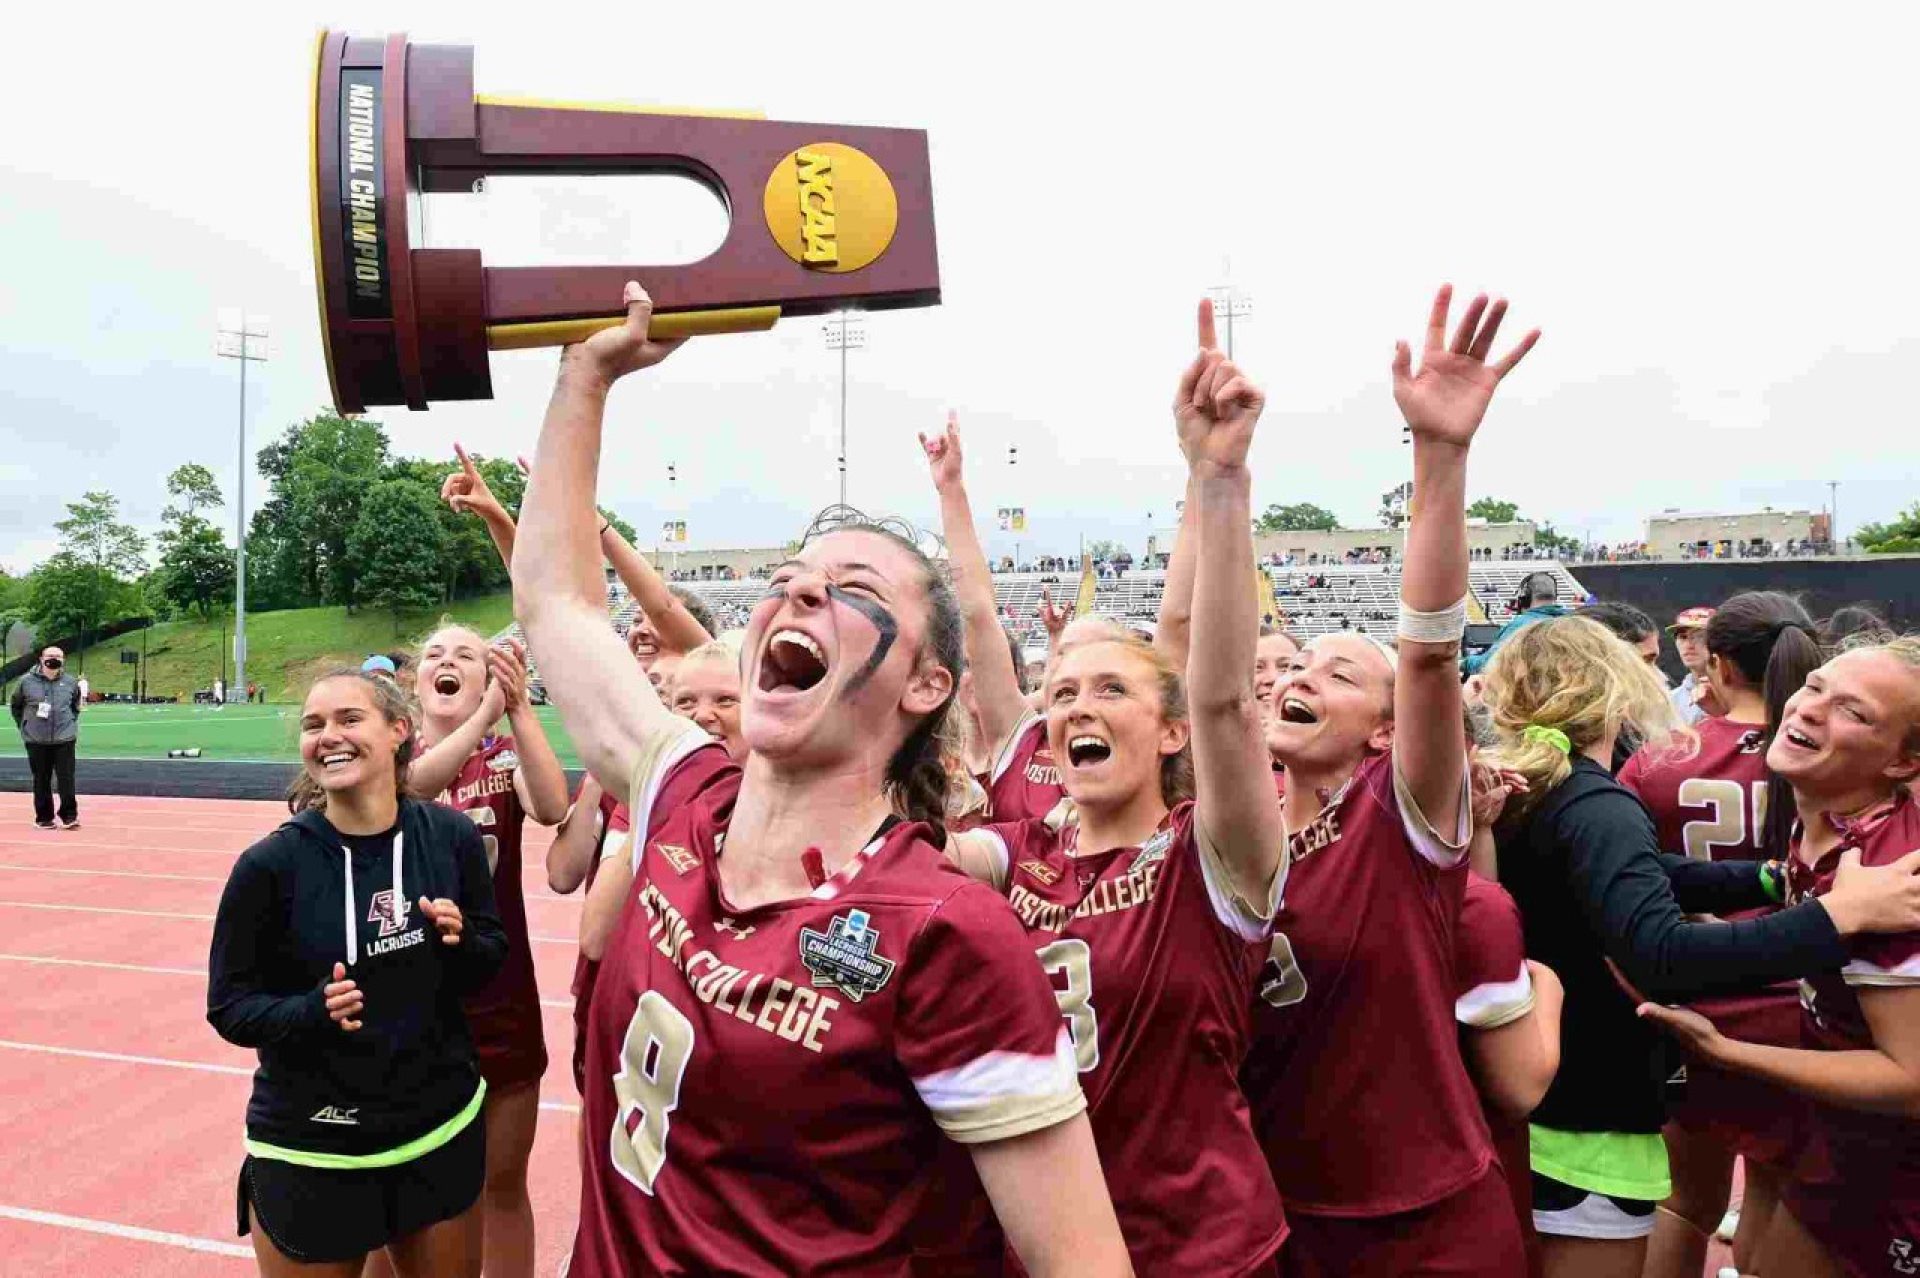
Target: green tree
397,542
1299,517
1899,537
317,475
1545,537
194,486
13,608
469,564
67,595
1493,510
1103,549
620,525
93,534
196,567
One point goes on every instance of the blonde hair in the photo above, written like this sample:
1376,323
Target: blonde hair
394,706
1573,676
1176,770
1906,650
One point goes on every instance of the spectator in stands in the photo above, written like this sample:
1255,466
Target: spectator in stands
1537,599
1689,631
46,709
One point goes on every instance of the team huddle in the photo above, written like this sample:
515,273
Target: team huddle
1212,954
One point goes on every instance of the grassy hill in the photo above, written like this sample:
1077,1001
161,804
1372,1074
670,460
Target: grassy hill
284,649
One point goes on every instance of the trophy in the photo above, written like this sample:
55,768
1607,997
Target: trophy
821,218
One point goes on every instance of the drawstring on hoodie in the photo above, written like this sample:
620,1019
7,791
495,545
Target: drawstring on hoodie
399,898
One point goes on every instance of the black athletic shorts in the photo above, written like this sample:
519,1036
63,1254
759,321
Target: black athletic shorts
315,1214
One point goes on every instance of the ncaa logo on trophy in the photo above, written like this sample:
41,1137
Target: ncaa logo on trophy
846,220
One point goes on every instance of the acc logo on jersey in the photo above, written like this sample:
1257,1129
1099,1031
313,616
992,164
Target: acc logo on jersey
845,958
505,761
681,859
1042,871
389,913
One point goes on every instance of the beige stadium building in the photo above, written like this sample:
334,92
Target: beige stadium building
1675,534
1485,540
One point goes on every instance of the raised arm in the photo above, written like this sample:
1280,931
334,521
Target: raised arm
466,491
678,630
996,684
609,708
1443,404
575,840
539,781
1173,629
1215,412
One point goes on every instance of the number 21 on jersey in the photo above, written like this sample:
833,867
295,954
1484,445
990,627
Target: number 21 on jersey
1729,826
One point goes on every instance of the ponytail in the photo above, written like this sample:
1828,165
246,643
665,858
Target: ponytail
1769,638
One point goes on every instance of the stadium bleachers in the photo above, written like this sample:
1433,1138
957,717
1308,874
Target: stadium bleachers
1316,600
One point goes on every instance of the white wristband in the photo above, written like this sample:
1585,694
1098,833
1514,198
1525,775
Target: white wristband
1444,626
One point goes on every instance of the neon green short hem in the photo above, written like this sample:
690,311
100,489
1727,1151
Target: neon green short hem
415,1148
1618,1164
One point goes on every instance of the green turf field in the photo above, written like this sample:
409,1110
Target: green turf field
228,733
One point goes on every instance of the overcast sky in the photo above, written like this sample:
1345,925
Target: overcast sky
1709,208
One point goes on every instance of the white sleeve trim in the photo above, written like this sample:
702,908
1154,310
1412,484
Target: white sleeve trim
998,1095
1249,922
1861,972
1434,847
1011,746
1496,1003
658,758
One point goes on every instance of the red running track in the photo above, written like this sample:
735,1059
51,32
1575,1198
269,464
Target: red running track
123,1109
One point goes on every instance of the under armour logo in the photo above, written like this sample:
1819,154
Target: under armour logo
732,929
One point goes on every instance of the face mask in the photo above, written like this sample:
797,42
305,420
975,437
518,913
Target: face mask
51,665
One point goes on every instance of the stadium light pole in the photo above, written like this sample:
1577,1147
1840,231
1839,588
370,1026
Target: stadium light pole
1833,515
1230,303
235,340
843,334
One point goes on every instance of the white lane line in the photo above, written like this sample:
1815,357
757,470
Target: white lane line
106,909
142,848
117,967
119,874
560,1004
113,1229
205,1067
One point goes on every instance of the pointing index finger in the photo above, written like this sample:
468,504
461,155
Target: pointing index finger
1208,342
466,462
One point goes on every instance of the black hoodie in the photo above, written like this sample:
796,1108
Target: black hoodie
296,903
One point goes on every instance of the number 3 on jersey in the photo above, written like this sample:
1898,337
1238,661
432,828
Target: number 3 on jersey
653,1059
1282,983
1073,961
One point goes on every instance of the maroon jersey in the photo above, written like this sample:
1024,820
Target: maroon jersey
612,822
1153,958
1024,781
1495,989
767,1088
1713,805
504,1016
1359,1095
1858,1190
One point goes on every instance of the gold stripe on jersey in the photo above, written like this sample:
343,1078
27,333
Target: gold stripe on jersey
1009,1116
778,1006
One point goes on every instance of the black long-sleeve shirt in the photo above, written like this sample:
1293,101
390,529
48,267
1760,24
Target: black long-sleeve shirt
286,918
1586,869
